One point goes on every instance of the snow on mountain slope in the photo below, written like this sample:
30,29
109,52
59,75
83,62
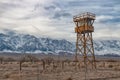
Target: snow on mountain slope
107,47
28,43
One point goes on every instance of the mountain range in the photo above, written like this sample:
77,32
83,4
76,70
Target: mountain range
25,43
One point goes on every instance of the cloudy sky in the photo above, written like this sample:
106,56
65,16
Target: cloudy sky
54,18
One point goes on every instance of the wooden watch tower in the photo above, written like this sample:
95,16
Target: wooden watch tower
84,43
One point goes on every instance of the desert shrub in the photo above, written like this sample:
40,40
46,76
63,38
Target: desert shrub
32,58
33,65
69,78
9,59
117,68
1,59
111,60
28,58
73,64
48,60
110,66
82,66
24,65
101,65
6,75
97,60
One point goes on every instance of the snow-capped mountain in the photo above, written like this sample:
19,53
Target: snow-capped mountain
14,42
29,43
107,47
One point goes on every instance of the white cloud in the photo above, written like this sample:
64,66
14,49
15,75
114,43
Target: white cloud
103,17
53,18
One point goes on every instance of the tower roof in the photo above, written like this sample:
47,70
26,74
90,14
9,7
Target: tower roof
84,15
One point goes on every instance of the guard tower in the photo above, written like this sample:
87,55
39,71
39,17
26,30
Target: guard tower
84,43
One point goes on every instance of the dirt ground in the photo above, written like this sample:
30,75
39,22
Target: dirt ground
106,70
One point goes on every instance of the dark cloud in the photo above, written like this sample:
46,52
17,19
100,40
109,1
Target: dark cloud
58,15
6,6
111,21
37,6
20,13
32,15
78,3
51,7
89,3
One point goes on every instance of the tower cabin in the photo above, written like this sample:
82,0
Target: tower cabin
84,22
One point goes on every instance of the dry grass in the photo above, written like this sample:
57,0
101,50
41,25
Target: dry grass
107,70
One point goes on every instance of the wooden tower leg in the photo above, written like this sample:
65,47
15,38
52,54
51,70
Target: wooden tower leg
84,44
85,48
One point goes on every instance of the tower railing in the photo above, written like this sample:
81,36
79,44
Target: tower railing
83,15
